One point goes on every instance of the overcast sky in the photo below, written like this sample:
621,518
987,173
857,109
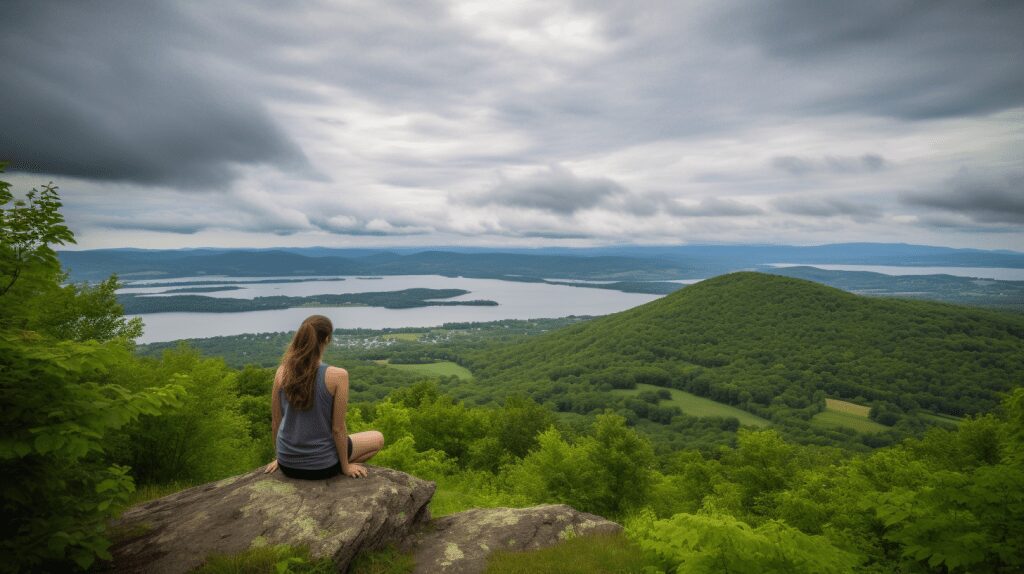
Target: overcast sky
184,124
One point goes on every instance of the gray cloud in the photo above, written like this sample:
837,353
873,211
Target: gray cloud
797,165
959,223
911,60
409,110
186,223
556,190
713,207
116,91
983,198
181,227
826,207
381,227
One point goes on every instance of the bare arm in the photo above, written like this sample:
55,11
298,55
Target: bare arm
339,379
275,409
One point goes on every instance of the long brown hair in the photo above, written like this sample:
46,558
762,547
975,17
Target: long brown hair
302,359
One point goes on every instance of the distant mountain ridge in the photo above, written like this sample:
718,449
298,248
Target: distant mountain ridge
97,265
609,263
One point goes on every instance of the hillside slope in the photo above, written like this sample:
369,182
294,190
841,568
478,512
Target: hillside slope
769,343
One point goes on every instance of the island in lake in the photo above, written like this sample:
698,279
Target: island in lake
136,304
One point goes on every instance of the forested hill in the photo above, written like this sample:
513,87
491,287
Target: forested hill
776,346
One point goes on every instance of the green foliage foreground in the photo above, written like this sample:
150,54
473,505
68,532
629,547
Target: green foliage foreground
59,346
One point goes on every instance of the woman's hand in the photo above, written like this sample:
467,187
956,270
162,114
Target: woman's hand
271,467
355,470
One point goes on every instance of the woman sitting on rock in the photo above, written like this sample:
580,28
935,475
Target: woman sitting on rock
308,405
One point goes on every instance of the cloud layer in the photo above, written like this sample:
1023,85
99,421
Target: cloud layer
235,123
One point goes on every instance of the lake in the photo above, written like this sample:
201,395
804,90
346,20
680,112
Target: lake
515,301
1002,273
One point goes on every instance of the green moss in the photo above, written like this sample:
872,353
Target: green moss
270,559
387,560
148,492
122,532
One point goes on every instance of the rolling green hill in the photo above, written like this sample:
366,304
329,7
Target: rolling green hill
775,346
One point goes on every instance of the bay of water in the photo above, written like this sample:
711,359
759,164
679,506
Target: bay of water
1002,273
515,301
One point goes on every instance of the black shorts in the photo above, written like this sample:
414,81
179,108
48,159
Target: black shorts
315,474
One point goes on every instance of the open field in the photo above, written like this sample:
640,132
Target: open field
839,413
943,419
845,407
698,406
439,369
830,418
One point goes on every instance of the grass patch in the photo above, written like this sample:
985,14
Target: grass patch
469,489
598,553
841,419
439,369
839,413
941,419
387,560
269,559
846,407
147,492
122,533
699,406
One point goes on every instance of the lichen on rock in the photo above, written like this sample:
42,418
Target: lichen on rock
461,543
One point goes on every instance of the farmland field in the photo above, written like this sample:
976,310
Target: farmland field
846,407
846,414
439,369
830,418
945,419
698,406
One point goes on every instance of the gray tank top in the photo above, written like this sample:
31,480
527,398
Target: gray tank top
304,439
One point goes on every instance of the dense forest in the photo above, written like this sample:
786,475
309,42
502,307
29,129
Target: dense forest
91,426
406,298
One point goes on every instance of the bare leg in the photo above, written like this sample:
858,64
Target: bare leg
366,444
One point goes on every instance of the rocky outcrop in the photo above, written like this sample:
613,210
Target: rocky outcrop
460,543
338,517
